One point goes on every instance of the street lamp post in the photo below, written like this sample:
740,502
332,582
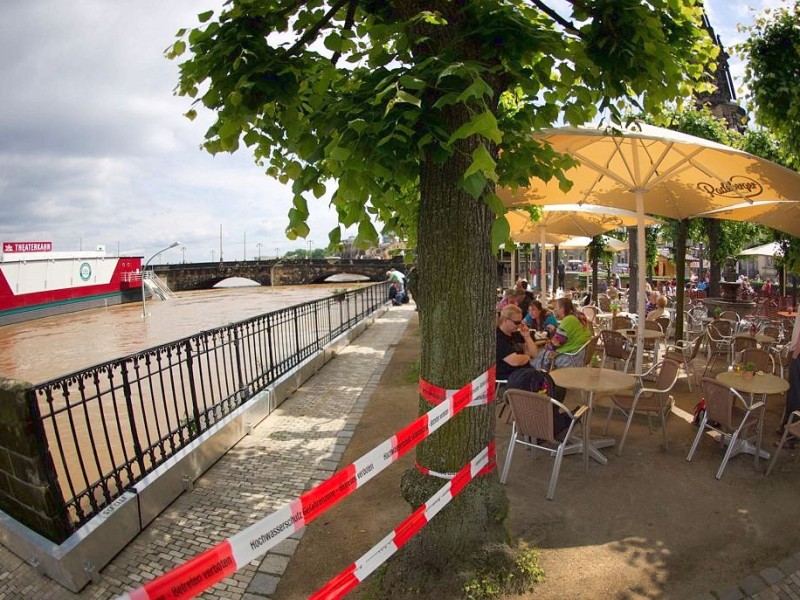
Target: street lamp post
258,245
144,276
183,254
212,256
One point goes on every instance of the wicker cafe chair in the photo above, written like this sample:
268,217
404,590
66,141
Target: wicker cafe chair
685,352
762,359
651,344
620,322
728,414
604,302
533,418
792,428
664,323
651,400
738,346
718,335
581,356
616,347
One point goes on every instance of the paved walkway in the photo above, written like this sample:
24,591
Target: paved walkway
297,446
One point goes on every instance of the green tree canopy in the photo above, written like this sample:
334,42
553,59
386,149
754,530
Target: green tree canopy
415,109
772,74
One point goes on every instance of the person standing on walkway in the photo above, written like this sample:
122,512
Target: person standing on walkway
793,394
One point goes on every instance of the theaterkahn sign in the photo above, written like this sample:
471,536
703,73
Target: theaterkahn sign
27,247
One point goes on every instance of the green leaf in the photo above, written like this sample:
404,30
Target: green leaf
485,124
205,16
340,154
482,161
474,184
501,231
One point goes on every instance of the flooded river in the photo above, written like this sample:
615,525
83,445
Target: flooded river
43,349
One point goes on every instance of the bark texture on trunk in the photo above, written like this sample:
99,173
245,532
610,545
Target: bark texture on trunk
457,325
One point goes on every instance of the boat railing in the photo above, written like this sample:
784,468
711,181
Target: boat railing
108,426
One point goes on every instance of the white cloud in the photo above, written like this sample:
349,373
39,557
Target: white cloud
96,149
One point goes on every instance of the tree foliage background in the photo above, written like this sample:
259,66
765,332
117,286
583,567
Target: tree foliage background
415,110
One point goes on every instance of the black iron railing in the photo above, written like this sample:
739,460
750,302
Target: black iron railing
108,426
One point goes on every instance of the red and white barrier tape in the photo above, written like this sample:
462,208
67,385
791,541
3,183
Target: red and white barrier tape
224,559
482,389
345,581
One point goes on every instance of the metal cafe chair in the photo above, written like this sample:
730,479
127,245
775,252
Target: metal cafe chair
616,348
729,414
684,353
652,399
533,418
718,337
792,428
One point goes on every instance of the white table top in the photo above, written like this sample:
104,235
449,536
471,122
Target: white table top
649,334
759,337
592,379
764,383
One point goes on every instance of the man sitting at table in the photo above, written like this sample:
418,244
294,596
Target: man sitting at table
574,330
515,345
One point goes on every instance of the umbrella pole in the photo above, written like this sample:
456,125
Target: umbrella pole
640,277
543,270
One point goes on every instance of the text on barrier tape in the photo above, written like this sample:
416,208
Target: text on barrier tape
345,581
216,563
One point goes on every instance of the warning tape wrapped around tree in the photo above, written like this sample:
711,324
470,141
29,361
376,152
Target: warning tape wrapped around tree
215,564
345,581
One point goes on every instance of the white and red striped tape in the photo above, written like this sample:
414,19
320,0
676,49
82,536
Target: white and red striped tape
224,559
345,581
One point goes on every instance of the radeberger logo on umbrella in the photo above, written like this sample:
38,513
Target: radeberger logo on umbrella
738,186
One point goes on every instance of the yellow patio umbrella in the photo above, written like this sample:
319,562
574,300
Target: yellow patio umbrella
782,215
567,219
656,171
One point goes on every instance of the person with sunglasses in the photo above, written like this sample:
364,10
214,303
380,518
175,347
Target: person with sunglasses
515,345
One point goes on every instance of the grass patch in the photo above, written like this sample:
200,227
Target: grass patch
413,373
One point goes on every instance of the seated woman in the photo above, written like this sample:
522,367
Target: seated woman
515,346
574,330
538,317
659,311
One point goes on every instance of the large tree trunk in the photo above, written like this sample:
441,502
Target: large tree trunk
456,281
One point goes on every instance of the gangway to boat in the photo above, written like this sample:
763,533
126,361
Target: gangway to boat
157,287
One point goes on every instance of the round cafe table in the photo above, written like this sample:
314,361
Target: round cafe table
649,334
760,383
759,337
590,380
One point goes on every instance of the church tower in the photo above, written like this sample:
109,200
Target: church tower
721,101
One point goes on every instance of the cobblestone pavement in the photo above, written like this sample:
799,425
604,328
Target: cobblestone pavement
297,446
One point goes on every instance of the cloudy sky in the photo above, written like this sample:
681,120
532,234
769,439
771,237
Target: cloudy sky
94,148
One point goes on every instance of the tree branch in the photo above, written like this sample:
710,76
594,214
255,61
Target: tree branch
312,33
555,16
348,25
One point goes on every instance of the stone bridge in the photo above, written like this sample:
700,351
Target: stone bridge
201,276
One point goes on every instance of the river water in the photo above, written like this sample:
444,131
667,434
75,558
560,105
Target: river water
43,349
